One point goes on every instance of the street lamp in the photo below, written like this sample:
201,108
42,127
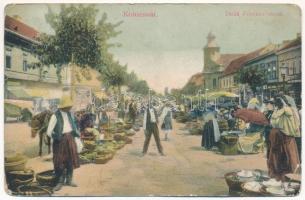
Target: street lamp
206,98
283,74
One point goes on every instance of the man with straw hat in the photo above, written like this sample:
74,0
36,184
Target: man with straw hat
63,129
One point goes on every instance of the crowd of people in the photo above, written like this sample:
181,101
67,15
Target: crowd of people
282,133
67,129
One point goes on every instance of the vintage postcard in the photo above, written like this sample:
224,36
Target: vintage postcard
152,100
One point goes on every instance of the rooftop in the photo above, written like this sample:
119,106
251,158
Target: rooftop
20,28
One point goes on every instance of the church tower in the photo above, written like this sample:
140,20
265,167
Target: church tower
211,54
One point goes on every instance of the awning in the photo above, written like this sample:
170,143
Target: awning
221,94
16,92
38,92
20,103
11,110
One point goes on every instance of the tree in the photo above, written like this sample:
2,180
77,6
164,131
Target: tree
252,76
114,75
77,39
140,87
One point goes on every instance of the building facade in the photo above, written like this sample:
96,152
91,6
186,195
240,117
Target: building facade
21,80
290,68
266,62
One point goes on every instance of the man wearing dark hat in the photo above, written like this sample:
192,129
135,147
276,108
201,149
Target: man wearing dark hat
63,129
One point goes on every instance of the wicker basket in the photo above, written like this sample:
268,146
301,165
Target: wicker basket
21,175
17,178
227,149
234,182
33,190
15,166
103,159
119,137
128,126
90,145
46,178
15,183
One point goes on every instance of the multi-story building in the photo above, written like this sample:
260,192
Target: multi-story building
22,81
228,78
266,61
290,67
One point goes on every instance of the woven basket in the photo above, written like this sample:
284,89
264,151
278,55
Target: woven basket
15,183
103,159
127,126
21,175
15,166
119,137
233,182
227,149
46,178
17,178
33,190
89,144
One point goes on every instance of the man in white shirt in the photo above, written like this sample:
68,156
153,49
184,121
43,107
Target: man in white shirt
63,129
150,127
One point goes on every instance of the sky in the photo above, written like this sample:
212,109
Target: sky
167,49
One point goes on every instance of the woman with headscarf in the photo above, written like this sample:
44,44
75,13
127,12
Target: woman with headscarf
297,119
211,132
283,155
166,120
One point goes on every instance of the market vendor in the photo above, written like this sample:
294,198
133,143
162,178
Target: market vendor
63,130
283,157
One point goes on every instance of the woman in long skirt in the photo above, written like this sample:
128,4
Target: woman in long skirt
283,155
166,121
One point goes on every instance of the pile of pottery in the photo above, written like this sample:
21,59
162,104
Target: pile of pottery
258,183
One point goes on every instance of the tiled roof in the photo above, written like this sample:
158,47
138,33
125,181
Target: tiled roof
236,64
20,28
225,59
293,43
